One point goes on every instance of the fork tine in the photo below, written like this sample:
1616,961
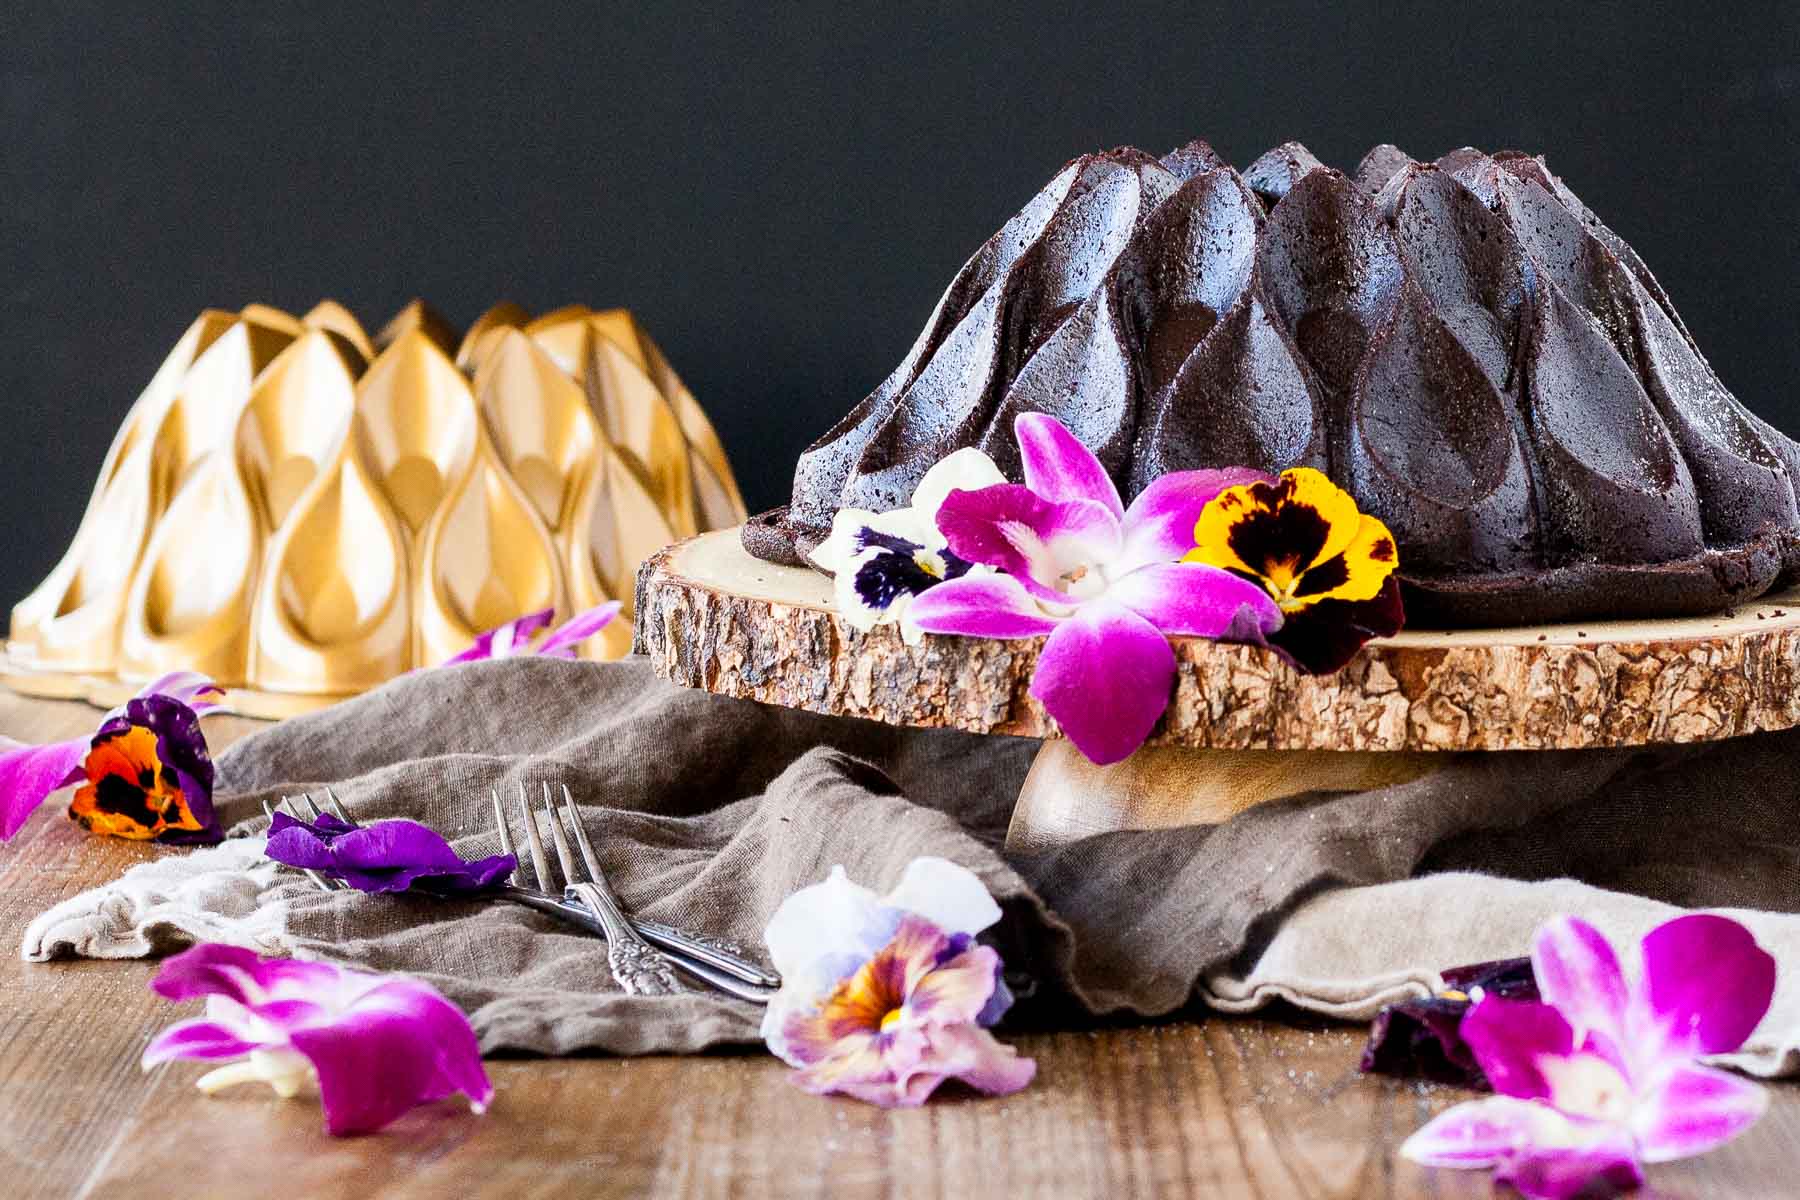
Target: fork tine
573,816
310,806
539,861
506,842
338,810
564,855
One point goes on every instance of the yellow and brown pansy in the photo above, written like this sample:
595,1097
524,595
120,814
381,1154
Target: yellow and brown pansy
1328,566
1300,536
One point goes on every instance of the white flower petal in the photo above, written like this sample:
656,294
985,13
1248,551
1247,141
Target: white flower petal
949,896
826,920
968,469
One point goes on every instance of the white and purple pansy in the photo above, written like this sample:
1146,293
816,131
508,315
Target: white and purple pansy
880,561
1603,1074
1104,581
883,998
375,1046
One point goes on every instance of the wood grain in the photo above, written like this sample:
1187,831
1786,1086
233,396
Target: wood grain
1226,1108
712,617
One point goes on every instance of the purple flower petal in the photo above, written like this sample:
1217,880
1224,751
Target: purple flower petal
566,638
505,640
1036,541
1593,1172
198,1038
1159,525
1478,1133
991,606
397,1046
384,856
215,969
1423,1038
1578,972
189,687
1058,467
1706,985
28,774
1693,1110
1509,1037
1190,599
1105,675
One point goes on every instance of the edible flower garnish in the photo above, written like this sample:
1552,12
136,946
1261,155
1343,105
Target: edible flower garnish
145,773
880,561
1423,1038
885,997
514,637
1603,1073
382,856
1102,580
1329,566
375,1045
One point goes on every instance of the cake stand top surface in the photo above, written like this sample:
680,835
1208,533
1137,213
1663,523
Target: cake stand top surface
711,616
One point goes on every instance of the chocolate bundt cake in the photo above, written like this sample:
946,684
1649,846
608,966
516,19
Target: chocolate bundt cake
1461,344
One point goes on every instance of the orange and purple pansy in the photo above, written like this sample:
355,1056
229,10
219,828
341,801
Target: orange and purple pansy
145,773
884,998
1329,567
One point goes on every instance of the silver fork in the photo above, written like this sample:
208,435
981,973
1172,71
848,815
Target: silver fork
718,955
571,911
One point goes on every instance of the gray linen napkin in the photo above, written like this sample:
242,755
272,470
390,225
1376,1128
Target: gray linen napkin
709,811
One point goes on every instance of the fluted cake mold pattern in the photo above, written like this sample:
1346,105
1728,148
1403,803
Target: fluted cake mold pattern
303,511
1462,344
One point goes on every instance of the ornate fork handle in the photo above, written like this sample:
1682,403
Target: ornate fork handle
635,964
714,952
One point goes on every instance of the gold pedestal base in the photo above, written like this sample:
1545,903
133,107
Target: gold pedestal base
1066,797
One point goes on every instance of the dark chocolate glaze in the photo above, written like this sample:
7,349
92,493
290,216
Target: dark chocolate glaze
1461,343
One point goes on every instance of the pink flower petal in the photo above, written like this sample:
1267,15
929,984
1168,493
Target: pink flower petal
504,641
1194,600
1585,1173
1159,525
567,637
1058,467
974,1056
1706,986
237,973
198,1038
990,606
1030,538
1508,1037
1105,675
958,990
399,1045
1478,1133
1579,974
1694,1109
28,774
193,689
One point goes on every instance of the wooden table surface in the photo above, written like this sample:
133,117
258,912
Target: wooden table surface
1219,1108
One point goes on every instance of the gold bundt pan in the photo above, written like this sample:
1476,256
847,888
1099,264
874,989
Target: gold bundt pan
302,511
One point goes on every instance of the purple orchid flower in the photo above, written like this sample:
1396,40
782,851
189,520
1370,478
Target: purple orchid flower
167,711
514,637
383,856
1101,580
377,1045
1602,1075
1424,1037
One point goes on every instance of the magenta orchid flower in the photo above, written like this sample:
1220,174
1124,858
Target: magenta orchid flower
1103,581
375,1045
150,776
883,998
1603,1073
514,637
382,856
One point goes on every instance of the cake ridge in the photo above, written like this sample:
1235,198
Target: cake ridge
1462,343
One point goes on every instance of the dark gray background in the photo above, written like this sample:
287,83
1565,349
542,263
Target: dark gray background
781,195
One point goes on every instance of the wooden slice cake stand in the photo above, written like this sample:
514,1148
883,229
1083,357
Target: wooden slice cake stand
1244,727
